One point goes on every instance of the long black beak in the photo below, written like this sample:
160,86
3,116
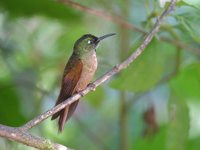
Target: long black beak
105,36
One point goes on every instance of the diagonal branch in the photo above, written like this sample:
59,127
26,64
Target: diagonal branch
102,14
124,23
106,76
26,138
21,134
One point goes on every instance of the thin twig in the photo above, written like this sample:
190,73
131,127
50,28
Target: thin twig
163,80
123,112
103,14
181,45
125,24
106,76
21,135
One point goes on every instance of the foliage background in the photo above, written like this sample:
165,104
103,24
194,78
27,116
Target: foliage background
153,104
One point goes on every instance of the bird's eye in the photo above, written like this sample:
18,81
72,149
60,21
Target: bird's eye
89,42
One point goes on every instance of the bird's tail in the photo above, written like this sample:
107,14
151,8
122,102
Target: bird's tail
65,114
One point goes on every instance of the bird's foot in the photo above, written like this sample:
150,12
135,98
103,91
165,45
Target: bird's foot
81,93
93,86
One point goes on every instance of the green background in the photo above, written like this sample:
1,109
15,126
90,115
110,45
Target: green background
154,104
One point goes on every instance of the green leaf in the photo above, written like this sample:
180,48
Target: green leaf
187,83
10,105
189,3
189,24
154,143
193,144
48,8
147,70
96,98
178,128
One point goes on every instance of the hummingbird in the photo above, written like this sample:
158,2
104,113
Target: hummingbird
78,73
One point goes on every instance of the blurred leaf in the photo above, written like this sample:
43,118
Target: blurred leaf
178,128
189,23
96,98
35,49
37,7
10,105
175,135
189,3
187,83
25,81
147,70
152,143
193,144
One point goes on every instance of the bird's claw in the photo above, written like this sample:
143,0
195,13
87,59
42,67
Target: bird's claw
81,93
93,86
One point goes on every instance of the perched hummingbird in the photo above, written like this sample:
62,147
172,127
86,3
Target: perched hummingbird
78,73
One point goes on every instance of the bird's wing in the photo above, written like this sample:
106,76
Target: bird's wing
71,77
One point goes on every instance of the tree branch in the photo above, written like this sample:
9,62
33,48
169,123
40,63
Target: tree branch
21,135
15,134
106,76
124,23
103,14
163,80
178,43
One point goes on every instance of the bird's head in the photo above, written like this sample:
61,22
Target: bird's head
88,43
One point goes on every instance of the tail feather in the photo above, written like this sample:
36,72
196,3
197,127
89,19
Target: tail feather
65,114
62,119
72,108
54,116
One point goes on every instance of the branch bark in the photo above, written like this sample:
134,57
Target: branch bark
103,14
125,24
21,134
15,134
